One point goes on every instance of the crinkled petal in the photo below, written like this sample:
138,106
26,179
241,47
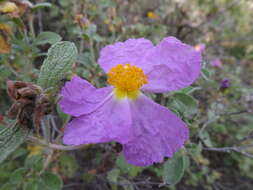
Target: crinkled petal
110,122
80,97
162,133
175,65
130,51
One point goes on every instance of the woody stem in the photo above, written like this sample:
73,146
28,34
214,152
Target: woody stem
55,146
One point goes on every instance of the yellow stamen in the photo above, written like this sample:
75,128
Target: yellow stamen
197,47
127,80
152,15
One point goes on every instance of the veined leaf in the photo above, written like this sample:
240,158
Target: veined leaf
41,5
131,170
10,139
60,58
52,181
112,177
47,37
174,169
185,103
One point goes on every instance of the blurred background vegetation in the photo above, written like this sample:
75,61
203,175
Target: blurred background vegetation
217,107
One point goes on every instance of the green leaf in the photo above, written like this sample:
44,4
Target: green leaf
47,37
174,169
131,170
33,162
32,185
18,176
205,74
41,5
112,177
4,72
18,153
98,38
8,186
205,137
194,149
129,185
10,139
64,117
185,103
68,164
52,181
85,59
189,89
18,22
61,57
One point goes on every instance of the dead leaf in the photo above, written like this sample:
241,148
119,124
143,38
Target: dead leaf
5,46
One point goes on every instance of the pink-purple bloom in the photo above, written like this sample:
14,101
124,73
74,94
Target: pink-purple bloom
216,63
225,84
121,112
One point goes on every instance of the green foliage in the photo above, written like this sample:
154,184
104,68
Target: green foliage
23,177
41,5
10,139
33,185
174,168
35,162
185,104
18,176
52,181
226,29
205,73
61,56
112,176
129,169
8,186
47,37
68,165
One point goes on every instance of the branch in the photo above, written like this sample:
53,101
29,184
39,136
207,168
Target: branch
238,149
56,146
237,112
206,123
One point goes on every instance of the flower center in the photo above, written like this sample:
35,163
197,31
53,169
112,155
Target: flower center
127,80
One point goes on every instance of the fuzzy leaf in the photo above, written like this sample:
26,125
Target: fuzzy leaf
33,185
18,176
174,169
52,181
60,58
47,37
131,170
10,139
205,74
185,103
112,177
41,5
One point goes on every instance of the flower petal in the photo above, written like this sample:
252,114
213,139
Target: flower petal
162,133
216,63
80,97
110,122
175,65
130,51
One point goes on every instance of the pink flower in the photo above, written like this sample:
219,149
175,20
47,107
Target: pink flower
216,63
121,112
